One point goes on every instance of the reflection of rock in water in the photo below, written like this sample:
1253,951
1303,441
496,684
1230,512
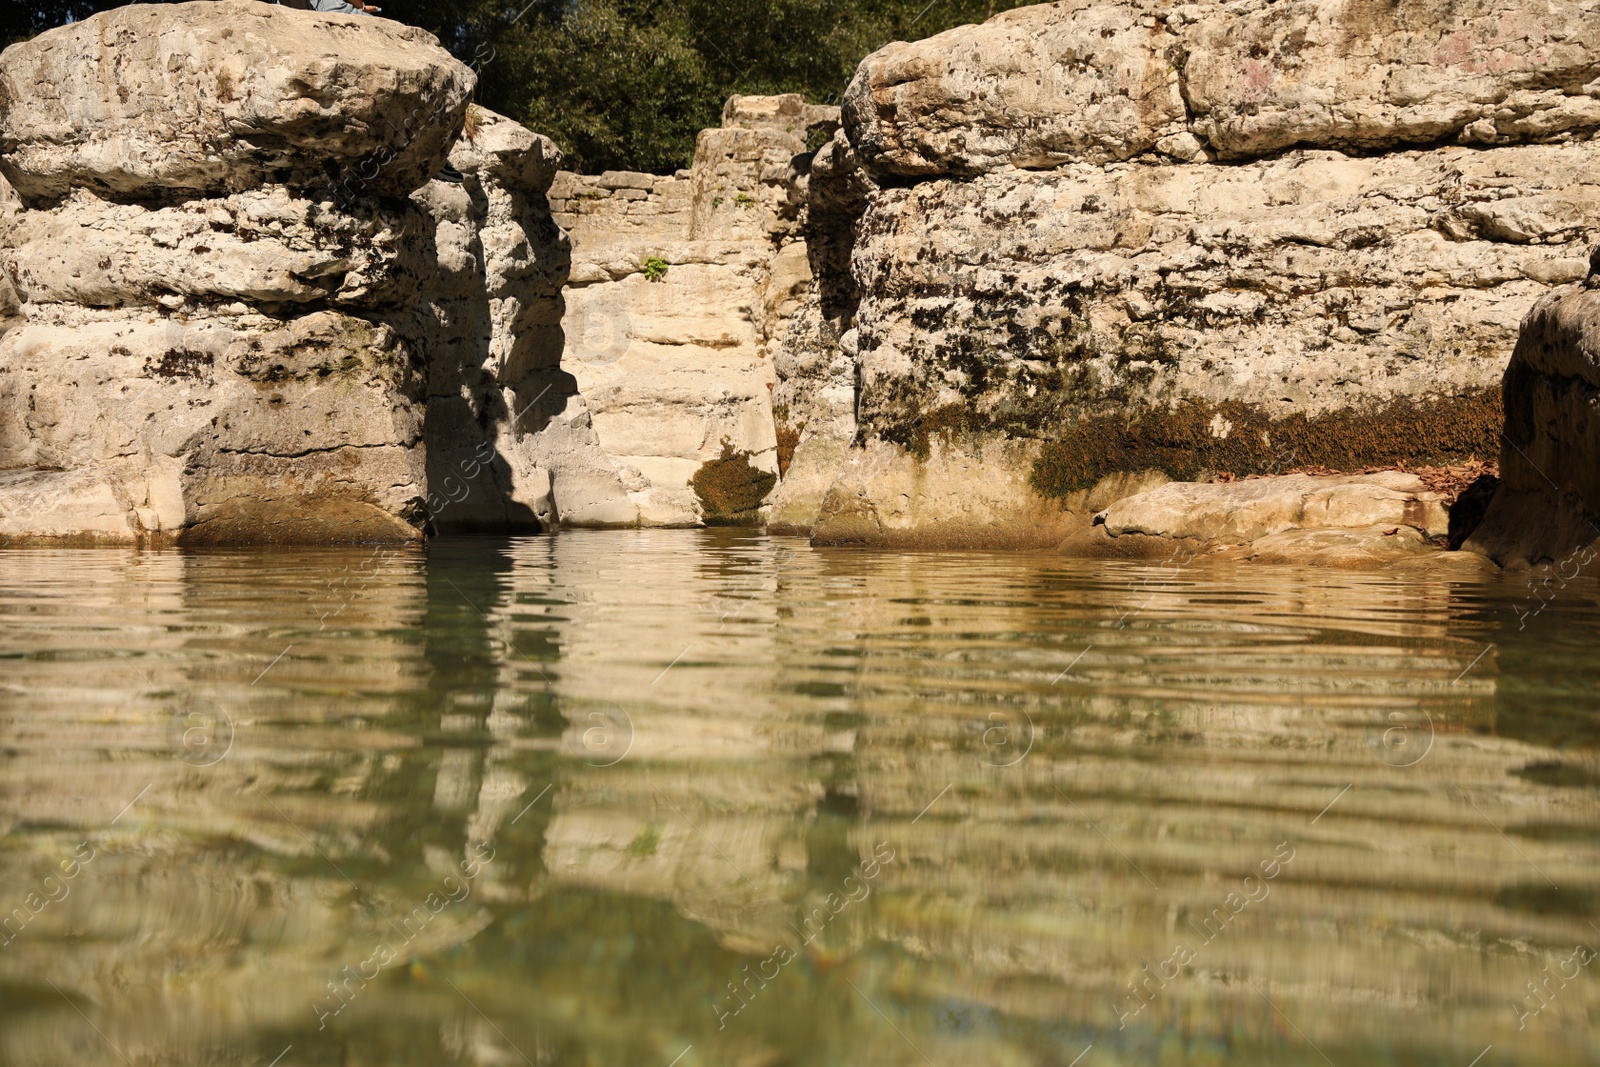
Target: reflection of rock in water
209,913
1165,766
783,712
697,814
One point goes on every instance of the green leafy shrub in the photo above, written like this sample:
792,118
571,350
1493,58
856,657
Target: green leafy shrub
655,268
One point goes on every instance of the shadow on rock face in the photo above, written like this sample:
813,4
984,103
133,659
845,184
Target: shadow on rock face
1468,509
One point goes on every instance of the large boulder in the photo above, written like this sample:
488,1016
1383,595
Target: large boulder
264,246
216,430
223,95
218,280
1100,82
1547,508
1314,309
1261,76
1034,87
1089,239
1346,521
1240,512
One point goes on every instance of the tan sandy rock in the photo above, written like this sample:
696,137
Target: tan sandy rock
1262,76
1034,87
1247,511
1344,521
671,362
222,430
262,246
222,95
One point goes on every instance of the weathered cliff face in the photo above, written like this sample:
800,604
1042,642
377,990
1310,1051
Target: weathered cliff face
214,264
1089,240
252,316
681,288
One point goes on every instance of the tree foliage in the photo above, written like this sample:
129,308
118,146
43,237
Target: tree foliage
627,84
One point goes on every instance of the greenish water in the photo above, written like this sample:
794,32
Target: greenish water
691,798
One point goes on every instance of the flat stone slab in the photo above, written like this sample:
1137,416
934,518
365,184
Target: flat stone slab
73,506
1349,522
1247,511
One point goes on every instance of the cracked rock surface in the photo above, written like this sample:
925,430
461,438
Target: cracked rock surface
1084,240
206,232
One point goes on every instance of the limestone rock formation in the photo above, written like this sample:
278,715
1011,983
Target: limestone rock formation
1033,87
682,288
1084,240
211,97
264,246
1263,76
221,429
1547,508
1098,82
214,273
814,400
497,399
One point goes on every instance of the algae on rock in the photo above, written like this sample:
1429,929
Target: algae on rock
1043,276
729,489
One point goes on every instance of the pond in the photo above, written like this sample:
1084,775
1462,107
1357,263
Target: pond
681,798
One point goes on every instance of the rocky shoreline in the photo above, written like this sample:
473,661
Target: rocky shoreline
1043,267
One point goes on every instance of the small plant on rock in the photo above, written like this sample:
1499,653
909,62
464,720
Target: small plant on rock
655,268
744,200
788,442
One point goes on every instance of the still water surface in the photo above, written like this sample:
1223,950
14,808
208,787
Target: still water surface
696,797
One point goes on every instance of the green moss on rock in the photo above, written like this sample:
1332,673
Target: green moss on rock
730,489
1184,442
